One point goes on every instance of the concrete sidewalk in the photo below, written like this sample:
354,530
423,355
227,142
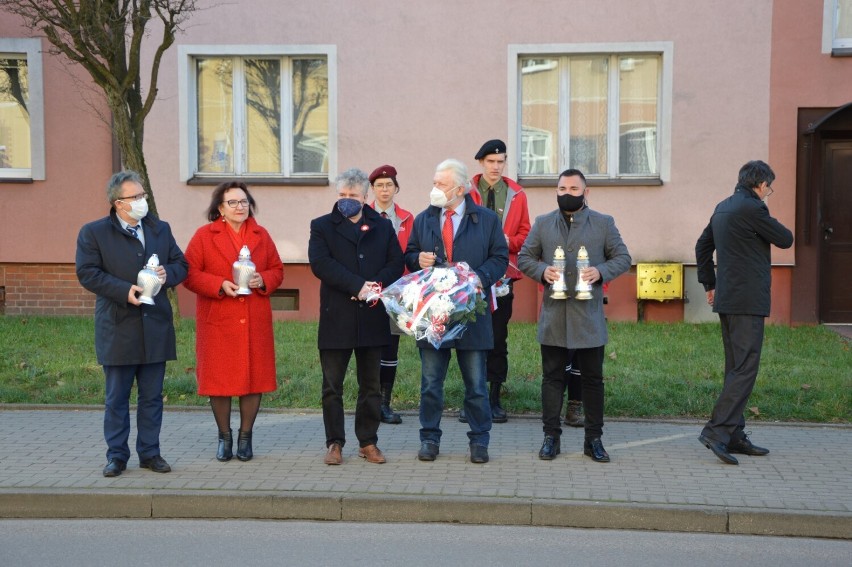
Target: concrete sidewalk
660,477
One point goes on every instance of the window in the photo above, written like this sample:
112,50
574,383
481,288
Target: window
601,109
837,27
21,110
258,115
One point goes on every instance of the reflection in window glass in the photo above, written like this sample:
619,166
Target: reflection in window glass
843,28
310,116
14,113
214,83
539,116
638,90
263,115
588,114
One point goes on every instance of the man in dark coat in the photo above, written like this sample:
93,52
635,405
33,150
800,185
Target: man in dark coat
741,232
133,340
352,250
455,229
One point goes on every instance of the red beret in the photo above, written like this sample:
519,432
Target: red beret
383,171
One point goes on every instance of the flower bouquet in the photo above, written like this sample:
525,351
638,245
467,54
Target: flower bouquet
435,303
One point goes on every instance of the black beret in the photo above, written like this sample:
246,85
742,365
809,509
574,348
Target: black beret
384,171
490,147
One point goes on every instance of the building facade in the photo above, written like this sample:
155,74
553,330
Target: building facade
659,104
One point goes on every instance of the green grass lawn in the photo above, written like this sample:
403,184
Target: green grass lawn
651,370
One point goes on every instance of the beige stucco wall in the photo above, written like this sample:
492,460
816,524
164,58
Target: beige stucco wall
418,82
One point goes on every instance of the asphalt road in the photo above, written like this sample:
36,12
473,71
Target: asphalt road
211,543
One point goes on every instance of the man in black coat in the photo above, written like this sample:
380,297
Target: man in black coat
741,232
133,340
352,250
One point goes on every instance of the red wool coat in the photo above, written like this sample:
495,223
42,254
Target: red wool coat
234,346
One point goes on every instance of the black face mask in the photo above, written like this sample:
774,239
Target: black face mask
570,203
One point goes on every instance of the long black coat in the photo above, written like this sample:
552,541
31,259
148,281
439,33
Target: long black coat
108,261
741,232
344,259
480,243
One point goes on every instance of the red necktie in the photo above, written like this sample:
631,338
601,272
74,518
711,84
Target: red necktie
447,234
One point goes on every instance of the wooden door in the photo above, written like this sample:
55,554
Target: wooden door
835,229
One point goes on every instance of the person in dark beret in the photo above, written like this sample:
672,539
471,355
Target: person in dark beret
385,187
506,198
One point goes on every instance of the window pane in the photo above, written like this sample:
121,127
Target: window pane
843,33
539,116
14,113
588,114
638,92
310,116
215,80
263,115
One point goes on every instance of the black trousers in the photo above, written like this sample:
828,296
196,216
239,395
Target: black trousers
368,408
742,337
553,385
497,363
390,360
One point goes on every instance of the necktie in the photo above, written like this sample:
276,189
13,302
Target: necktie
133,230
490,202
447,234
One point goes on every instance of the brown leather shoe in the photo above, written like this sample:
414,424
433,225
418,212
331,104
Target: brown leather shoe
334,456
372,454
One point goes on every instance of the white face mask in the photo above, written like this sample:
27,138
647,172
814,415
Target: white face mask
138,209
437,197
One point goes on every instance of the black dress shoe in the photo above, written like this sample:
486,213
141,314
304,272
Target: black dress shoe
244,450
225,450
719,449
114,467
746,447
428,451
462,416
498,414
156,464
478,453
550,448
594,448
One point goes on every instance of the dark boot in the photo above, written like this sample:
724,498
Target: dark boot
498,414
574,415
226,446
244,452
388,415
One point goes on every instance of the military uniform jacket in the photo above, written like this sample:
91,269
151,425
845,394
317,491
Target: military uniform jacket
571,323
108,261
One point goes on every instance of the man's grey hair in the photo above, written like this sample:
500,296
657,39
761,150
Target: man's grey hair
353,178
117,180
459,171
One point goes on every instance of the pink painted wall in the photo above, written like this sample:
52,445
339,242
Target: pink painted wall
41,219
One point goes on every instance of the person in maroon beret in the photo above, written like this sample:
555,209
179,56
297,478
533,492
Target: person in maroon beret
385,187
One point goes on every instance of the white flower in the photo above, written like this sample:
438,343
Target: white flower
442,305
410,295
443,279
402,322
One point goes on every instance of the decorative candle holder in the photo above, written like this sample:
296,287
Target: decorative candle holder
559,288
583,289
149,281
244,270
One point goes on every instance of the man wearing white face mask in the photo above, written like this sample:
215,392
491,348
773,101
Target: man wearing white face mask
133,340
351,250
455,229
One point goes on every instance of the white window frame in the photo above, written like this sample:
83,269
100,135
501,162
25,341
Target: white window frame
666,51
830,43
187,109
31,48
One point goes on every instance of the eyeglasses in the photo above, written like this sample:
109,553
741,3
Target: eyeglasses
233,203
132,198
769,190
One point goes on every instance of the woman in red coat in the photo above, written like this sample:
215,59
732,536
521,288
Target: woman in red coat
234,346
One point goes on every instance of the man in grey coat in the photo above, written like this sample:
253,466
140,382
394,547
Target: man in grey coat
133,340
740,231
567,325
